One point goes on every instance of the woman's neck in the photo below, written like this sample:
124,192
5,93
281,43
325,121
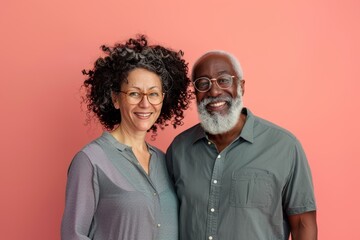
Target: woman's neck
137,143
136,140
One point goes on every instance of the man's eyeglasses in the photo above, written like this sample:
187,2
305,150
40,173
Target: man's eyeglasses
203,84
154,97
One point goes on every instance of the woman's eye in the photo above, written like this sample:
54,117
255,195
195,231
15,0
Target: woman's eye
134,94
154,94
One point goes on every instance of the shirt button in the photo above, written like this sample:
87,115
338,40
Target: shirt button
158,225
215,181
210,237
154,193
219,156
212,210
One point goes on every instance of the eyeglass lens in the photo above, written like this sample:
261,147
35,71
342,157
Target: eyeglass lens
154,97
203,84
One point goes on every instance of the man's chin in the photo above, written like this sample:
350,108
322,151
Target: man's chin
222,113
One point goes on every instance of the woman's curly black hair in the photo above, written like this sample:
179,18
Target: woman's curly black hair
110,71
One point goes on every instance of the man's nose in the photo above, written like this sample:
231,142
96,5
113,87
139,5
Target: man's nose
214,89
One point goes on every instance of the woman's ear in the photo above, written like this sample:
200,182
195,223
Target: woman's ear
115,100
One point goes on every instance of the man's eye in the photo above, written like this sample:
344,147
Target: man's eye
224,81
202,83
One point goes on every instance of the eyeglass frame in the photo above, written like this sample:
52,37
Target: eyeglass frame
214,79
142,97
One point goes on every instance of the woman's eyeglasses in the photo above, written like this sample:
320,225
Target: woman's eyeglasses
154,97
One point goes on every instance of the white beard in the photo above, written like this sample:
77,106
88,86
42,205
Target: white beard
217,123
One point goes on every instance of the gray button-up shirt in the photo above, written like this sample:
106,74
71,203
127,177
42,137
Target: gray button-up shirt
110,197
244,192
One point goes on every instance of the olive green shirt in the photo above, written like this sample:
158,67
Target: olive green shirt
244,192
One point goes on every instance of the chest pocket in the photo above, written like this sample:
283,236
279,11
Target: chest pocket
251,187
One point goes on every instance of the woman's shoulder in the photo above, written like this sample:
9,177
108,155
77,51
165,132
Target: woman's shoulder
91,152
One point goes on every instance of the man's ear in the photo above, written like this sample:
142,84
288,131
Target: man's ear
242,83
115,100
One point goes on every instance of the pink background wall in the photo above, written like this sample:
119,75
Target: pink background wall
301,63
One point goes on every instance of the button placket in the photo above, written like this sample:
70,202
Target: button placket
213,202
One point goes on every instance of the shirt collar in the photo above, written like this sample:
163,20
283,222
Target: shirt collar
199,133
108,137
247,133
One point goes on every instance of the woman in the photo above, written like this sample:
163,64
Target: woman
118,187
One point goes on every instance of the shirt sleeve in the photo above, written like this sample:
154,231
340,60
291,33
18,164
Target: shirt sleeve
80,199
298,194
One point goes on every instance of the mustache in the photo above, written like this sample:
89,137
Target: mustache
208,100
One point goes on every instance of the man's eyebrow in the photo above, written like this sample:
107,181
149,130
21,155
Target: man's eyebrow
222,72
217,74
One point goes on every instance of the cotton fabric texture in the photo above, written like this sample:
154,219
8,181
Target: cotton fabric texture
244,192
110,196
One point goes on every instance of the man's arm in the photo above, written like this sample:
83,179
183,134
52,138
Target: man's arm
303,226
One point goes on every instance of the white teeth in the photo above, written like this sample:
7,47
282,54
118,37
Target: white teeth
217,104
143,114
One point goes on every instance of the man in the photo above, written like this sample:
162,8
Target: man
237,176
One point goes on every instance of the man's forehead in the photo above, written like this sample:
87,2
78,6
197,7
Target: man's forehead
213,64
